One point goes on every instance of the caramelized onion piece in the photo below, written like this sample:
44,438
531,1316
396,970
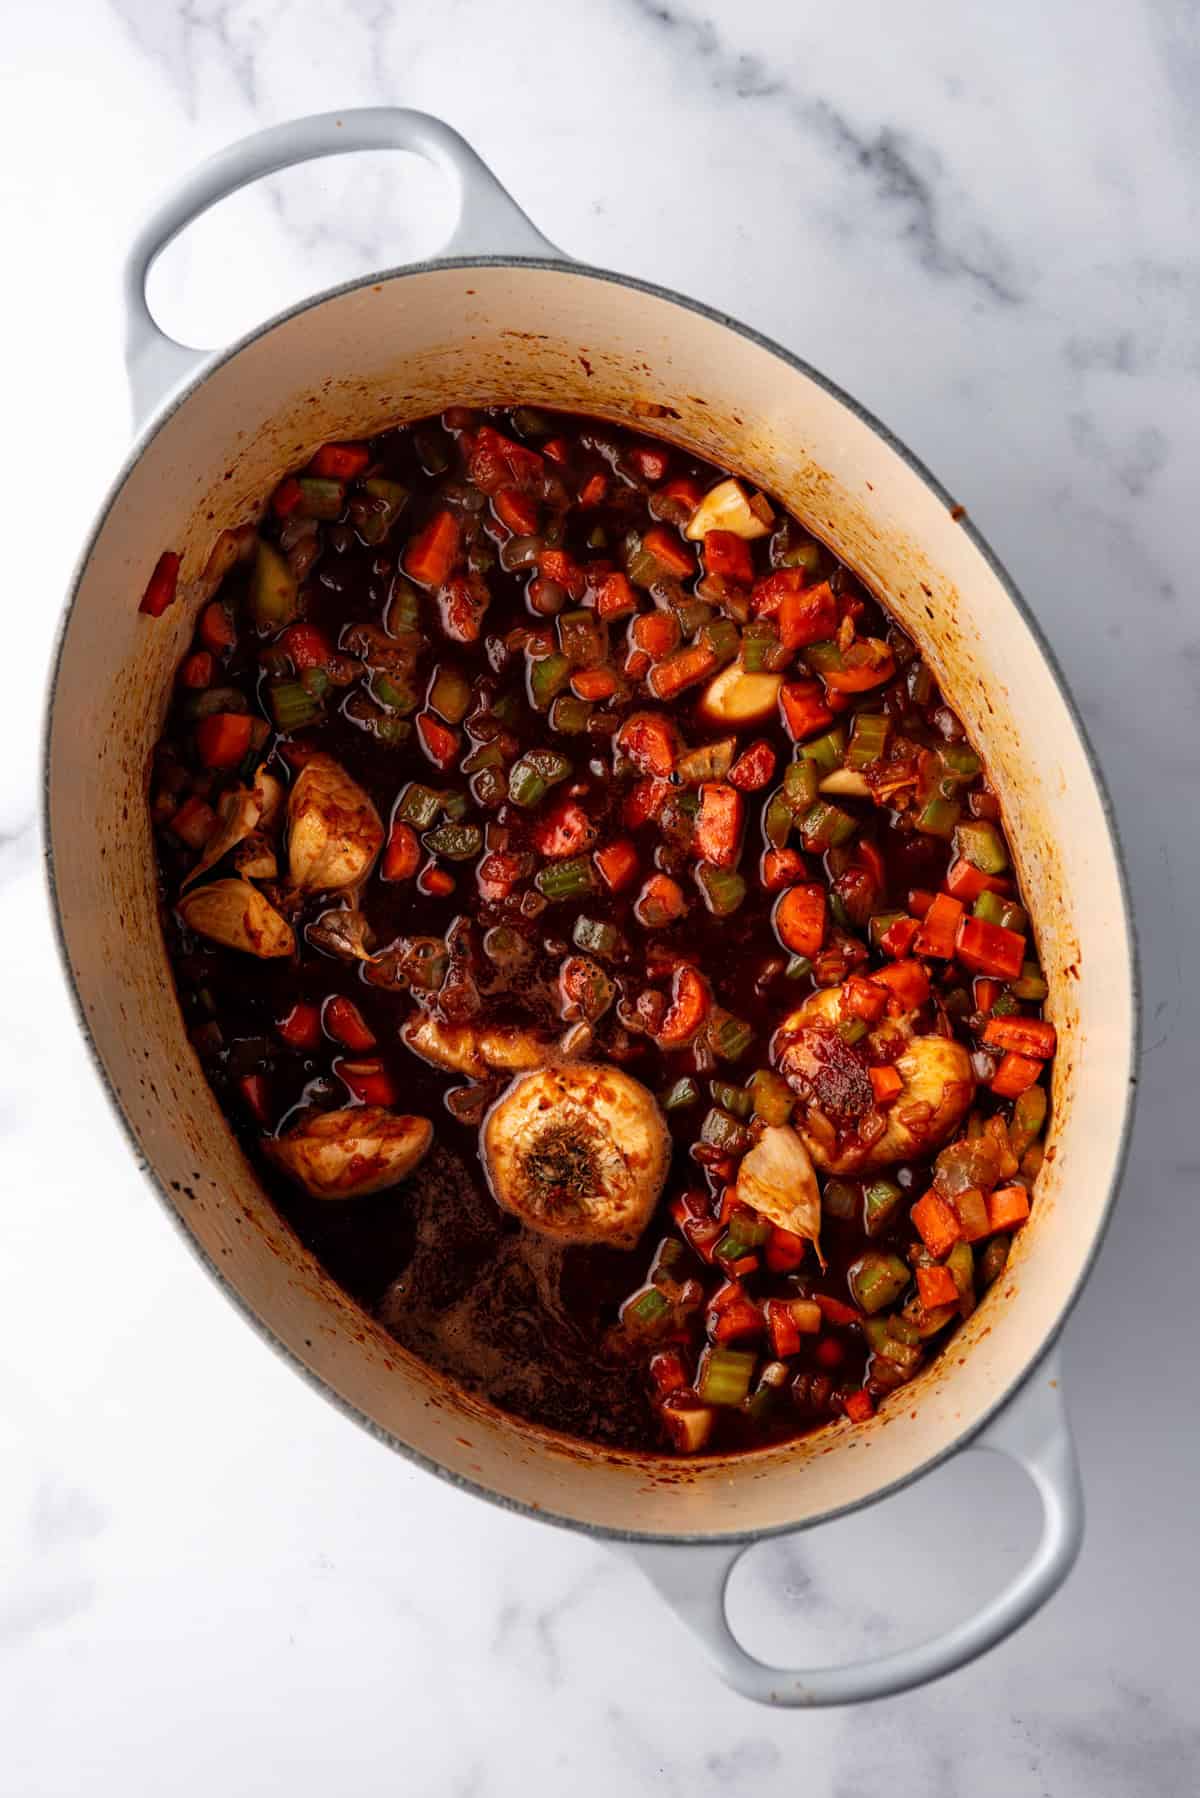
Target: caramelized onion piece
235,914
238,815
776,1178
344,1154
334,832
475,1050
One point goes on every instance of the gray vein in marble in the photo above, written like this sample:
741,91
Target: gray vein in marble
520,1625
905,175
171,36
1133,463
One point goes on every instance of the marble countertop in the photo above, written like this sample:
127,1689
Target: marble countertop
982,222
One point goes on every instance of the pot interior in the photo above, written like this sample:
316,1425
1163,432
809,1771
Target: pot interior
408,345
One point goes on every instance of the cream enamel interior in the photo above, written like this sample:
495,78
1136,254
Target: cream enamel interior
406,346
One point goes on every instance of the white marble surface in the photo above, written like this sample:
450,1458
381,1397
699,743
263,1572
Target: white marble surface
983,222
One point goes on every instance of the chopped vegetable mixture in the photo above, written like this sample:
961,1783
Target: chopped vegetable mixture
599,931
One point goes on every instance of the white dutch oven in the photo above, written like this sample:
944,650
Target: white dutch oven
479,328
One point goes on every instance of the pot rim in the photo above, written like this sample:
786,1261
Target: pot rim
143,437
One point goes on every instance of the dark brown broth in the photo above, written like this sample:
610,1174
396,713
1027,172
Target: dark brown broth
533,1326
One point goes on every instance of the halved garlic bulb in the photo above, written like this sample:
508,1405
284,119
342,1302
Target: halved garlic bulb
579,1152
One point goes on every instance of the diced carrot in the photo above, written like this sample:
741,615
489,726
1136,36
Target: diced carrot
681,670
728,555
644,802
863,998
367,1080
555,449
223,738
781,1327
836,1311
1007,1207
593,490
868,858
497,874
966,882
162,585
703,1233
253,1088
615,597
886,1084
1026,1036
683,491
661,901
691,1001
437,883
519,511
986,992
897,939
799,918
439,742
804,709
194,823
495,461
937,1225
650,462
806,614
867,663
919,901
301,1028
286,497
618,864
780,868
565,829
217,629
432,553
935,1285
938,927
344,1022
593,683
907,982
649,741
859,1405
1015,1075
754,768
718,827
829,1352
784,1250
989,948
307,646
667,1371
731,1313
340,461
558,566
657,633
196,672
402,857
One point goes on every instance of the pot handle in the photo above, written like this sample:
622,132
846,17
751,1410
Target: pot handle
489,219
1032,1430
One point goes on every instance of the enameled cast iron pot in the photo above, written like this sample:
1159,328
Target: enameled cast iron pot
504,317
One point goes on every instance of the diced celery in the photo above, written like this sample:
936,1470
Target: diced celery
868,738
980,843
